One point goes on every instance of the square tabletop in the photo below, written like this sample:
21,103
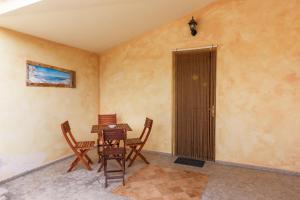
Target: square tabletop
99,128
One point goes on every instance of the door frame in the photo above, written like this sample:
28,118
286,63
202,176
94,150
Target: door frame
213,94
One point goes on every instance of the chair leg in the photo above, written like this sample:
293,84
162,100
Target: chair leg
81,157
100,168
119,162
99,150
124,161
137,152
73,164
134,157
102,164
129,155
105,172
86,165
89,159
143,157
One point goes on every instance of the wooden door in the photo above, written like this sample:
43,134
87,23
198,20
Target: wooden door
195,77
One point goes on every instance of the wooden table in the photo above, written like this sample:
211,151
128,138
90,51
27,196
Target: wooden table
99,128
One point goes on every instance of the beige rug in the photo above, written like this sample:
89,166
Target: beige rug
163,183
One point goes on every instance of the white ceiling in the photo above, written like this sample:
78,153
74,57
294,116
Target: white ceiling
95,25
9,5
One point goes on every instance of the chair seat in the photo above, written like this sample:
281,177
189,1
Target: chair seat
114,151
85,145
133,141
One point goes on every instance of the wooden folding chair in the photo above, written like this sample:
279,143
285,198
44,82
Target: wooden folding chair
104,120
80,149
137,144
114,152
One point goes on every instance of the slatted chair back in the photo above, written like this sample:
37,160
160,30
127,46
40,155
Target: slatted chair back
115,135
147,130
66,130
107,119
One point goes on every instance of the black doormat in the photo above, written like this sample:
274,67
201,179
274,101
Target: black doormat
188,161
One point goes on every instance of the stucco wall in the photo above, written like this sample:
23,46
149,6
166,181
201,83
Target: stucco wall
258,80
30,117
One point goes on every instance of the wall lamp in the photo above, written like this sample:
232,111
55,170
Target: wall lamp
193,26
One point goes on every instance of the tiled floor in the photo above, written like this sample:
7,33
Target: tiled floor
154,182
224,182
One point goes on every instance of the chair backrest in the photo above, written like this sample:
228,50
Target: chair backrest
107,119
147,130
114,134
66,130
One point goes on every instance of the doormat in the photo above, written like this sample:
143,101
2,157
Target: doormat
188,161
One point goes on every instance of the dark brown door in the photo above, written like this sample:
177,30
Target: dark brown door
195,73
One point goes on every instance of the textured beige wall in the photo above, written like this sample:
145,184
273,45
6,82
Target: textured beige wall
30,117
258,80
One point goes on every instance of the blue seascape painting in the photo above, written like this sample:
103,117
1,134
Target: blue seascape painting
46,75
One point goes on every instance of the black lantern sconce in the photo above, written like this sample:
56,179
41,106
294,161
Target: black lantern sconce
193,26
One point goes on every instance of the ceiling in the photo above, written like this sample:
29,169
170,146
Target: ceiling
95,25
9,5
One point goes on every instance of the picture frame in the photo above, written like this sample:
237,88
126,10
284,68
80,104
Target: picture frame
43,75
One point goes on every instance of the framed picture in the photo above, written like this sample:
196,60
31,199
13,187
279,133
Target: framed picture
43,75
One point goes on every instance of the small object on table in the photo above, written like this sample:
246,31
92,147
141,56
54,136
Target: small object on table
111,126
